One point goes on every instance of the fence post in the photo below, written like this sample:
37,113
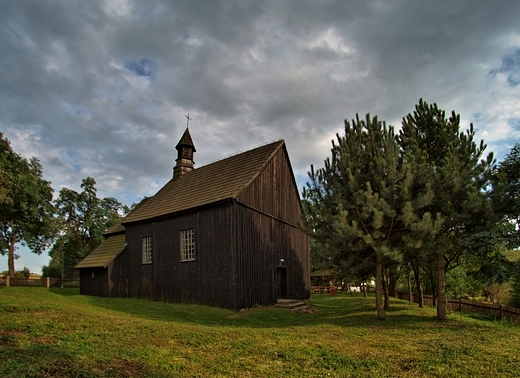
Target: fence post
8,281
501,312
460,304
48,282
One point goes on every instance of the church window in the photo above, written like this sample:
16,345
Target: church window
188,245
147,249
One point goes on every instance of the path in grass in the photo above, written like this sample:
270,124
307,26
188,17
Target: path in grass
58,333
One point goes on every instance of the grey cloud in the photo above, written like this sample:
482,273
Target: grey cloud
115,86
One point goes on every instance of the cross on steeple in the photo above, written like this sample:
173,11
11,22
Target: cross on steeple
188,119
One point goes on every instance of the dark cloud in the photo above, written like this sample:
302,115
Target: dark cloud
100,88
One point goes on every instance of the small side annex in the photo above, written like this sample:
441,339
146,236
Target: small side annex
225,234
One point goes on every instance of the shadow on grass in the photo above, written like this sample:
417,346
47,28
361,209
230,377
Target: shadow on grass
43,360
66,291
341,310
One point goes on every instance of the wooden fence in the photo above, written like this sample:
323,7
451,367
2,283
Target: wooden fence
462,305
38,282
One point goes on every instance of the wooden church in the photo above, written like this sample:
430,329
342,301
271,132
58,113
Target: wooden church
225,234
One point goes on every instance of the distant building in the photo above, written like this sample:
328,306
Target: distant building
225,234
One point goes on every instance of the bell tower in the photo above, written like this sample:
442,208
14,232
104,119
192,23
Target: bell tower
185,149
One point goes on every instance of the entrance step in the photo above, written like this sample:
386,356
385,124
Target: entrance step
295,305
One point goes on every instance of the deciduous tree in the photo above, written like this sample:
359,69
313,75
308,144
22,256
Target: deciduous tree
83,219
26,210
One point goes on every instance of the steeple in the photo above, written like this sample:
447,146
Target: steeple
185,149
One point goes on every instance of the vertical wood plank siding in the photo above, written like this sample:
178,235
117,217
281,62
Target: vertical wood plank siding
206,280
267,232
96,285
261,243
274,190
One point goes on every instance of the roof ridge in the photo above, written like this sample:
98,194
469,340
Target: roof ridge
242,152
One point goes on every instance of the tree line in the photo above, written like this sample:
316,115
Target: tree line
70,226
423,201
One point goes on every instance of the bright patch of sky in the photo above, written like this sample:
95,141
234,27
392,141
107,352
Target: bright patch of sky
510,67
144,67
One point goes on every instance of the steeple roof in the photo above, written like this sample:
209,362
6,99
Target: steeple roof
186,141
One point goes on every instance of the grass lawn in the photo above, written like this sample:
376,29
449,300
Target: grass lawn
58,333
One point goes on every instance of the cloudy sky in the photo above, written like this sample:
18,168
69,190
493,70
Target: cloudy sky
101,88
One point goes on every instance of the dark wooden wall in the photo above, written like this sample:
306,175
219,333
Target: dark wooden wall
97,285
268,232
261,243
207,280
274,190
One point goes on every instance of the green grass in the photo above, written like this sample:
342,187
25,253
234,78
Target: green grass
58,333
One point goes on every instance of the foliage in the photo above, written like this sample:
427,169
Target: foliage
321,256
351,204
25,272
83,219
514,299
449,162
26,210
506,196
460,283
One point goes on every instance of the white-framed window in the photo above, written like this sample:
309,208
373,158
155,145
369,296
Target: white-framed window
147,249
188,244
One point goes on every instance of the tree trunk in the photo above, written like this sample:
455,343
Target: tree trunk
392,285
441,288
410,296
386,291
379,287
10,258
434,285
420,293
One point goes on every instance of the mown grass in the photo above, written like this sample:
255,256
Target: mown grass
58,333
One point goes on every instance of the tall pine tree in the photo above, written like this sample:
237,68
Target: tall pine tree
448,162
353,203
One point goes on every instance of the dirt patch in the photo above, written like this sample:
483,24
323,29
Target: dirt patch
126,368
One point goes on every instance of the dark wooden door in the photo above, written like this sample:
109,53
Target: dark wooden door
281,282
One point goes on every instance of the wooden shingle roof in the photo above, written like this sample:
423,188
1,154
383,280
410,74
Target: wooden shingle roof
186,141
116,229
103,255
215,182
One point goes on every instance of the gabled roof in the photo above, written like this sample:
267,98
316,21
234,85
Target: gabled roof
103,255
224,179
116,229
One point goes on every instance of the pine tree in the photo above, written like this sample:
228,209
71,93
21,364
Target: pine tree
353,203
448,161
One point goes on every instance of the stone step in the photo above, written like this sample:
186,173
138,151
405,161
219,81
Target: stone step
295,305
